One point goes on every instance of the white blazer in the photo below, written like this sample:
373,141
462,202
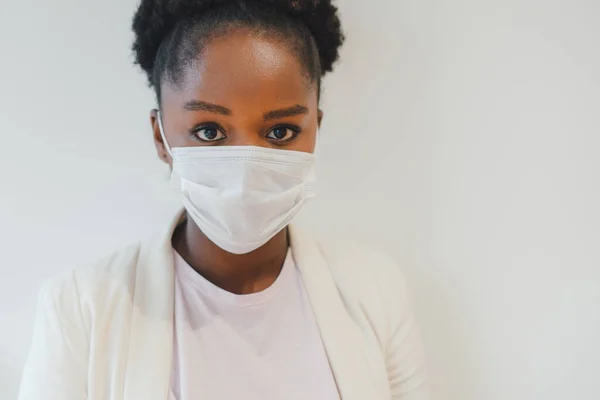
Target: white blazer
105,332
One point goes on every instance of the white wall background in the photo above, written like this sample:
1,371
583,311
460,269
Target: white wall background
461,136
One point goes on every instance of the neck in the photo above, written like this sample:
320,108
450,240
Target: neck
236,273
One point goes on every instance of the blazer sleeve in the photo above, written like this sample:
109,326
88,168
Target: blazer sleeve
57,366
405,360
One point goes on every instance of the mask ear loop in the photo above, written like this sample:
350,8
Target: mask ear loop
162,133
313,173
175,178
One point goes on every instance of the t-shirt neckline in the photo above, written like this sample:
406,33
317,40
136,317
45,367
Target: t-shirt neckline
186,275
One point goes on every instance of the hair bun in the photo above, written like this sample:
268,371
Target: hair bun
155,19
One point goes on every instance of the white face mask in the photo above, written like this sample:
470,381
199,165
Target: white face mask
241,196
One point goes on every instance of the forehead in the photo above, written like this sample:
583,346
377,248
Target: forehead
244,67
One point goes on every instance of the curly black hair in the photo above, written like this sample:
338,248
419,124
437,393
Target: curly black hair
169,34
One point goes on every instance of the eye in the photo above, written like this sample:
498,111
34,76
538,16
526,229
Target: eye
209,134
283,133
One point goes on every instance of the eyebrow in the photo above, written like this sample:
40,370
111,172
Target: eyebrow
286,112
199,105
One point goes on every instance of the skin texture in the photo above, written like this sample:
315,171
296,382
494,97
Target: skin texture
243,85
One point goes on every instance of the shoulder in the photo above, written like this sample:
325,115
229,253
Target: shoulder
357,266
111,275
376,296
371,284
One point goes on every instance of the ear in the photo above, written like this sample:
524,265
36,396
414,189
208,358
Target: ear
161,149
319,117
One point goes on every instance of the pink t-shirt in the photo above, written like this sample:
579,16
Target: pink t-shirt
263,346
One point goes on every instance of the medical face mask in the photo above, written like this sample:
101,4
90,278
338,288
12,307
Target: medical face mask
241,196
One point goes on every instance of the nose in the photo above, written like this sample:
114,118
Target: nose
247,137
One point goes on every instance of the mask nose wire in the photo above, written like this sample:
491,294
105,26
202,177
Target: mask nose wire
162,133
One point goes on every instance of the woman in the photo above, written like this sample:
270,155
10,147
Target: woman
230,302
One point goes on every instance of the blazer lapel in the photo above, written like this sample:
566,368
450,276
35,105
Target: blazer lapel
341,337
149,357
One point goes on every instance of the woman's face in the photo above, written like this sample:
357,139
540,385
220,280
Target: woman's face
245,90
